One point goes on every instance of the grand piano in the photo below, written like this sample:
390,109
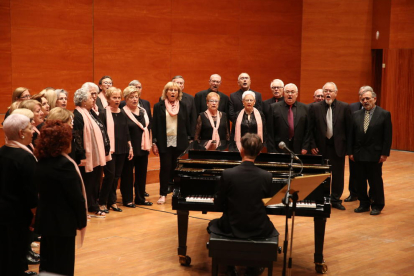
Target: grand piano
197,177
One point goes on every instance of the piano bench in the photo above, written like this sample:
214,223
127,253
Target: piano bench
250,253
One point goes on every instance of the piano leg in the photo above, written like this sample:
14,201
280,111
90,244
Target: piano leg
319,224
182,220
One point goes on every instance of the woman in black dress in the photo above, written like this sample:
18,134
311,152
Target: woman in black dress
139,130
62,206
212,125
116,123
18,195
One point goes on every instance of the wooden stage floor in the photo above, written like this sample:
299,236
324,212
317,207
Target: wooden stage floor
143,241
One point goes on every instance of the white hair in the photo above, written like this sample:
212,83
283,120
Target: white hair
277,80
242,74
134,83
336,88
13,124
80,96
248,92
215,75
291,84
87,86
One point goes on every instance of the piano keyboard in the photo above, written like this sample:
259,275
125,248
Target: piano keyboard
299,204
199,198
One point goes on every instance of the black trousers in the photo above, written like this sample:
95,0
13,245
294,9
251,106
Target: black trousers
168,162
14,248
92,182
338,169
112,172
57,255
352,185
140,163
371,171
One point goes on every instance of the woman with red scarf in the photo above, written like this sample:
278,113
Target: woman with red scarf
170,133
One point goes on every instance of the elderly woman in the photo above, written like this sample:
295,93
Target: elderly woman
41,98
104,83
248,120
61,98
212,124
170,134
116,123
19,94
139,129
18,196
38,118
62,205
92,147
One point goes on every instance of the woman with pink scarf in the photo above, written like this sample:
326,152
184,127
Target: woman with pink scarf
170,133
92,147
248,120
212,125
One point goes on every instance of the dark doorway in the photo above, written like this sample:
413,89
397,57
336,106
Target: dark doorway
377,55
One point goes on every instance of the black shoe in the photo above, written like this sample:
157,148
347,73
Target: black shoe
34,255
146,194
375,212
30,273
351,198
130,205
338,205
146,203
31,260
361,209
116,209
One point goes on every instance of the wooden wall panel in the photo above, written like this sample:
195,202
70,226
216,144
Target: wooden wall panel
398,95
336,46
381,15
51,44
5,56
402,24
132,40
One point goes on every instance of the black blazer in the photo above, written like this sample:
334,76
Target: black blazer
236,103
369,146
267,110
342,124
201,102
241,191
61,208
159,133
355,106
280,126
136,135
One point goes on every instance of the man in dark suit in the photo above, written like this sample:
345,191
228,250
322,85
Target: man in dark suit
200,97
277,91
352,184
330,123
188,100
236,103
241,191
371,144
290,122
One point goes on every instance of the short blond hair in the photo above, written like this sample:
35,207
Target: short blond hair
130,90
60,114
212,94
171,85
110,91
24,111
30,104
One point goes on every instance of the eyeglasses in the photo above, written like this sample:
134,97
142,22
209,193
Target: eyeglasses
329,91
248,100
319,96
107,83
276,87
290,92
25,97
213,101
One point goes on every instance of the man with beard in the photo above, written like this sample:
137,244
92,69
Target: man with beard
236,103
330,123
371,144
200,97
290,122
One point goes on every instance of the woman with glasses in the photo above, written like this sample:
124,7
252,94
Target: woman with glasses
104,83
248,120
212,125
19,94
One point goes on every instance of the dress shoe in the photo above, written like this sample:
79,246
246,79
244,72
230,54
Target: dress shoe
104,209
146,194
31,260
351,198
338,205
361,209
30,273
130,205
375,212
34,254
116,209
146,203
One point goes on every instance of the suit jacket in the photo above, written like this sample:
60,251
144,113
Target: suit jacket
280,127
201,103
142,103
267,110
355,106
369,146
159,134
61,203
342,124
241,191
236,103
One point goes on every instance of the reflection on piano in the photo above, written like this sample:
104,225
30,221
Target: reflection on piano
197,177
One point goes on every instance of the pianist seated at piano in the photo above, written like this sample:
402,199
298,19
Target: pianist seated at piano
249,120
240,195
212,125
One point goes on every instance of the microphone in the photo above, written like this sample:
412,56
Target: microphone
282,145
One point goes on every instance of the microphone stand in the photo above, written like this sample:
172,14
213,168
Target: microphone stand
294,198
